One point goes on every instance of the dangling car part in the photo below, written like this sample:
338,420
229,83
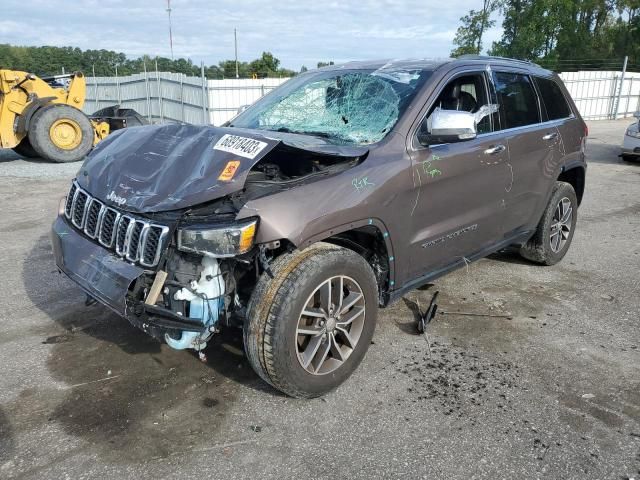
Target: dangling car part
336,193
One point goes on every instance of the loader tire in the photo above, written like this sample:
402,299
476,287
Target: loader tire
61,133
25,149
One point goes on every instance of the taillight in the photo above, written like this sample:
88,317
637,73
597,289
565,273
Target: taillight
586,130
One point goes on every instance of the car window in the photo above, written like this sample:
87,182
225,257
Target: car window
517,99
554,100
467,93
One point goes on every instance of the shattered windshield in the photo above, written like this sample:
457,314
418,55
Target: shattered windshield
347,106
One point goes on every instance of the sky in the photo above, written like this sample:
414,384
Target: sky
298,32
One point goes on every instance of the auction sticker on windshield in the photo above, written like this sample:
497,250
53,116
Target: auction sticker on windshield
243,146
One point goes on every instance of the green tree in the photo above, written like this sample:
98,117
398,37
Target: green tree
571,34
48,60
469,35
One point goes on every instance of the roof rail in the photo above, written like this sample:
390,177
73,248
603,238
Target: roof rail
490,57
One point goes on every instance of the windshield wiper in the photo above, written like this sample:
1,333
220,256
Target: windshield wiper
307,132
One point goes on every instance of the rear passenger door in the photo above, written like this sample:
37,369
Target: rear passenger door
534,148
556,109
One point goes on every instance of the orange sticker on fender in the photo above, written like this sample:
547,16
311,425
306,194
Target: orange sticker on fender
229,170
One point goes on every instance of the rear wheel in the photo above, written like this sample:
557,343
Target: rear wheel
25,149
554,233
309,327
61,133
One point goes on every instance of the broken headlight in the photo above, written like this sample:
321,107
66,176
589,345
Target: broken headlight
218,240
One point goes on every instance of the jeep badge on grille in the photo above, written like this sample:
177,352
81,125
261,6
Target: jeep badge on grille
116,199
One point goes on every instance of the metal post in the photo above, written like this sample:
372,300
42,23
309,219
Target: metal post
205,96
626,109
624,70
95,87
159,85
235,43
147,90
182,97
118,87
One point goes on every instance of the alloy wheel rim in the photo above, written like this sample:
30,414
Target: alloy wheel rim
330,325
561,225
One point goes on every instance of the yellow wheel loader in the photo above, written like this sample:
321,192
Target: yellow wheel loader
42,117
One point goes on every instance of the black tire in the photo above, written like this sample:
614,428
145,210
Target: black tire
25,149
539,247
630,158
43,144
275,306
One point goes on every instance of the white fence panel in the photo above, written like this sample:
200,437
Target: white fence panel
596,93
174,97
227,96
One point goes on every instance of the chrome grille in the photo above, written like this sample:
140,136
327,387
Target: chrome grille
132,238
93,217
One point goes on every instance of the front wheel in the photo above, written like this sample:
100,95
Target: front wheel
309,327
554,233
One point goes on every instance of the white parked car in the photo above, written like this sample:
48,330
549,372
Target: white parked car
631,142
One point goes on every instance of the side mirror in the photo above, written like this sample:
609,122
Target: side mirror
448,126
241,109
637,115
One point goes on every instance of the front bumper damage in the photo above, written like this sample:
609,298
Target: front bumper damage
112,281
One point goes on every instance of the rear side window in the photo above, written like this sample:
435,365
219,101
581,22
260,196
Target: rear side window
554,100
517,99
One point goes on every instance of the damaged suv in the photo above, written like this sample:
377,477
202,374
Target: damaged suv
333,195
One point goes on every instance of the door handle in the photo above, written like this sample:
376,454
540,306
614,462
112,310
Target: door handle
550,136
495,150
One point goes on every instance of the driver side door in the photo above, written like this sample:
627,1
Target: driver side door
461,186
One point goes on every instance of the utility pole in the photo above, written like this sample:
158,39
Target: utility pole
235,42
170,34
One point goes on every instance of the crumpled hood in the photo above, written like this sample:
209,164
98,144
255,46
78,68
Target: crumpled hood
168,167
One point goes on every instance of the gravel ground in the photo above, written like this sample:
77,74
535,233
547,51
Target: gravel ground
13,165
548,387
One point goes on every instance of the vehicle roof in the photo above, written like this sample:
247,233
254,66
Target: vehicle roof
435,63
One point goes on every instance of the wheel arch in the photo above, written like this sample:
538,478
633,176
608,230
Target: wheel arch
370,239
575,176
24,119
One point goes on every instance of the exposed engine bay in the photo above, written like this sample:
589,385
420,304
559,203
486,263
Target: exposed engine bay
208,263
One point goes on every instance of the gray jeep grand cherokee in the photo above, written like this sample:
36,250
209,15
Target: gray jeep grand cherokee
333,195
